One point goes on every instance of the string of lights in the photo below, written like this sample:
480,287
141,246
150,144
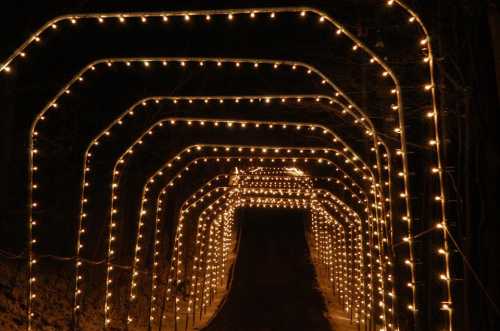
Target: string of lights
380,196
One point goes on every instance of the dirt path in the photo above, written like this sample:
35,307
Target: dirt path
274,287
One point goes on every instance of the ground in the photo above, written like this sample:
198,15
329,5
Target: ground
275,285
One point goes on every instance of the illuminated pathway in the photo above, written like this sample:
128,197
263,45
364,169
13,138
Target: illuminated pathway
274,287
274,284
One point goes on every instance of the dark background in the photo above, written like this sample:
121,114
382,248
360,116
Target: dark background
466,35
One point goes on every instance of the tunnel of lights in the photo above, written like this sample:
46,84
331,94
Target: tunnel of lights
353,180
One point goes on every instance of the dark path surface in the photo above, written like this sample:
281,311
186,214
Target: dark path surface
274,286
